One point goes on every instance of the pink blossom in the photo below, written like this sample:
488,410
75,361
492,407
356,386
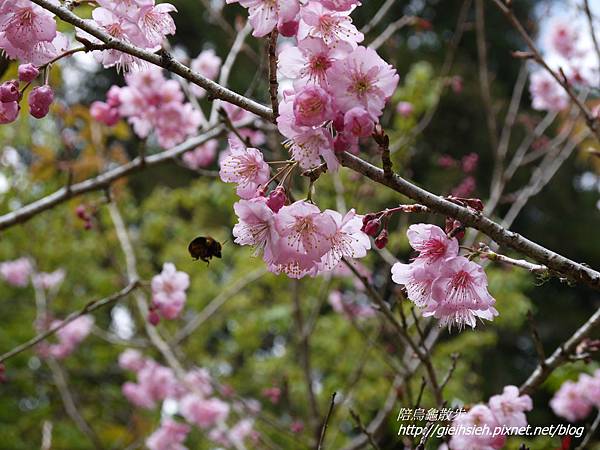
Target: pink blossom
405,109
547,94
28,72
168,291
478,416
306,233
272,393
341,5
132,360
202,412
564,39
309,61
154,384
207,64
312,106
17,272
591,386
417,278
277,199
40,100
23,25
466,187
155,22
70,336
432,243
201,156
571,402
362,79
49,280
264,15
256,226
169,436
104,113
358,122
9,112
460,294
200,379
348,240
176,122
246,167
509,407
330,26
241,431
120,28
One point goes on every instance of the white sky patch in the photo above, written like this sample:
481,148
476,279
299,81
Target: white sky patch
122,322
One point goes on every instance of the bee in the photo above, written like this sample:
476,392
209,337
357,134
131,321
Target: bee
204,248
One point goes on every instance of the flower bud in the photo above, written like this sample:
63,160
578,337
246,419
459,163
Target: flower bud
28,72
372,227
405,109
81,212
40,100
288,29
9,91
381,240
277,199
153,317
9,112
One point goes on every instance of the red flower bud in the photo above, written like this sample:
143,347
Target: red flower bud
372,227
153,317
382,239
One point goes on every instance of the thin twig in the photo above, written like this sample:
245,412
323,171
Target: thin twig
590,434
326,422
273,84
363,430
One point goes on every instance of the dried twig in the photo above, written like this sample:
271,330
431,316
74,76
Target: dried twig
326,422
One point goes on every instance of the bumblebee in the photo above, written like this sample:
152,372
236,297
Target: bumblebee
204,248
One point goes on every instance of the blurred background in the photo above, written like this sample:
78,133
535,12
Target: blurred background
252,342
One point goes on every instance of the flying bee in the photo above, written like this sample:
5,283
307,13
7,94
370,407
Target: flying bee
204,248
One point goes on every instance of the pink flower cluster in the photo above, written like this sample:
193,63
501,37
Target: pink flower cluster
168,293
28,33
16,273
335,81
297,239
349,307
504,410
138,22
444,284
40,98
575,399
150,103
194,396
69,337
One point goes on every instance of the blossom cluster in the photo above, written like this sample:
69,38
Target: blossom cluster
28,33
20,272
196,402
150,103
575,399
168,293
567,51
443,283
504,410
11,93
138,22
69,337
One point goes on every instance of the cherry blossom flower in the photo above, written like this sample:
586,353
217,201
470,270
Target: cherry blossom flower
169,436
478,416
23,25
547,94
168,291
591,386
246,167
460,294
358,122
49,280
571,402
312,106
200,379
305,231
362,79
309,61
17,272
155,22
132,360
9,91
272,393
564,39
204,413
340,5
432,243
509,407
207,64
265,15
417,278
69,337
154,384
119,28
348,240
256,226
330,26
